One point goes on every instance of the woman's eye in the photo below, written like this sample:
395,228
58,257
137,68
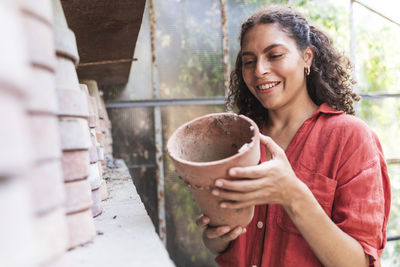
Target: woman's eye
275,56
248,63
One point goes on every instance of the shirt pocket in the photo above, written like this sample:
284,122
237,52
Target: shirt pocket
323,189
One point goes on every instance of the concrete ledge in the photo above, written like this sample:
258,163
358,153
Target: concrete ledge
126,235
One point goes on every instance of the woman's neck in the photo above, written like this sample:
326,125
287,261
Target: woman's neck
284,122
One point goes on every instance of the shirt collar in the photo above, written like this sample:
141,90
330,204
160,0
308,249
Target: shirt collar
324,108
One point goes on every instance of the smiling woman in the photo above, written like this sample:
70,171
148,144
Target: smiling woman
321,191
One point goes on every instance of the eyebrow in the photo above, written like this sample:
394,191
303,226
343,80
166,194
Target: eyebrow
247,53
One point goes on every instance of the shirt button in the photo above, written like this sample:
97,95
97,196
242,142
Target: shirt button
259,226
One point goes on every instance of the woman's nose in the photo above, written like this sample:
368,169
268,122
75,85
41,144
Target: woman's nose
262,67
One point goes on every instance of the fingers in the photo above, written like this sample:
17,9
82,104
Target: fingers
251,171
235,196
202,220
224,232
246,185
272,147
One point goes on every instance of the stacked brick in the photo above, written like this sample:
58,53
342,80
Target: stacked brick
99,130
95,166
45,177
50,127
16,224
73,114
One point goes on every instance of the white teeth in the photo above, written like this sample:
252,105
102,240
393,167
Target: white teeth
267,85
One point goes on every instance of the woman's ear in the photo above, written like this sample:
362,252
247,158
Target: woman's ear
308,55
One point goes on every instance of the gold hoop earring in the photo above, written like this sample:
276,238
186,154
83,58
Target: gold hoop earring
307,70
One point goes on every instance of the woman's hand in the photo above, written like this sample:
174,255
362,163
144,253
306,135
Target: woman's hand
217,239
271,182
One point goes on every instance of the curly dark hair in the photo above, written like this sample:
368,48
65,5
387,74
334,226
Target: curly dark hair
329,81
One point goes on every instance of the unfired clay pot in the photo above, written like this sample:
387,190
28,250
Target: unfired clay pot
204,149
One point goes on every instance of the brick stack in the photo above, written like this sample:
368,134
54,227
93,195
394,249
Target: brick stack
16,224
45,177
108,150
94,170
75,138
99,130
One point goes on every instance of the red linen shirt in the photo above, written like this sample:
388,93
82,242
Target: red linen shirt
340,159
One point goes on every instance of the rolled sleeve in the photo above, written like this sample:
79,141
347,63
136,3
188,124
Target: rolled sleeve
362,199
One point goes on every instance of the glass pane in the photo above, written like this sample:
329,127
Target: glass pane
184,236
133,135
377,52
383,116
390,256
189,45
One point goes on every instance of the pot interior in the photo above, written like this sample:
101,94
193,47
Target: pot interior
211,138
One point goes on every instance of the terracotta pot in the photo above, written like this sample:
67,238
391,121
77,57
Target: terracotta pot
40,38
75,164
45,131
42,96
96,208
79,196
74,133
51,235
81,228
72,103
65,43
46,186
203,150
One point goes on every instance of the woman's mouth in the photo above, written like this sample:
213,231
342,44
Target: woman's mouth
267,86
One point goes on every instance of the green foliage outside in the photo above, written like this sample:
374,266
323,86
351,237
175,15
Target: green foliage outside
191,65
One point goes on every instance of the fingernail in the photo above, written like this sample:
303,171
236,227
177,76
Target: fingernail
218,183
232,172
226,229
222,205
215,192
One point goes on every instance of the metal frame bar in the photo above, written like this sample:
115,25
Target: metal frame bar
219,100
162,226
376,12
225,45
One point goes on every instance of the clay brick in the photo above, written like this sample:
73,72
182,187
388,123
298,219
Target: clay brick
100,138
93,154
79,196
17,241
92,114
75,164
51,235
66,76
65,43
81,228
15,140
42,94
41,9
96,112
100,153
103,125
96,208
103,190
72,103
15,64
94,176
47,186
74,133
41,42
45,136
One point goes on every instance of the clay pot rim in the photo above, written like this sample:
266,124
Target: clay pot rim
256,134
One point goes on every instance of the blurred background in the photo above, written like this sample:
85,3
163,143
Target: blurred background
180,55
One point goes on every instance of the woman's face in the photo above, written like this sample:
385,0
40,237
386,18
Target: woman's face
273,67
